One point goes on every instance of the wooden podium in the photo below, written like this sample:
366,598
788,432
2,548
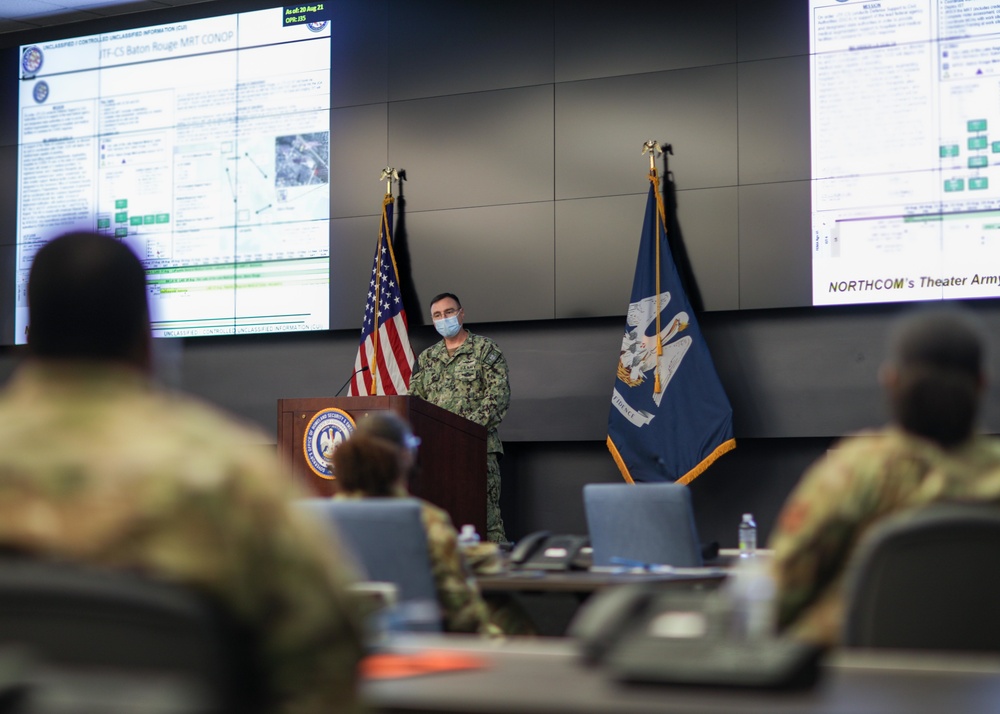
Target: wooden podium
451,459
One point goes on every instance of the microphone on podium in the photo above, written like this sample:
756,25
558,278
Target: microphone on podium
355,374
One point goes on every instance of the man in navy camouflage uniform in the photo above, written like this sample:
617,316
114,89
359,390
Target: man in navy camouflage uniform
466,374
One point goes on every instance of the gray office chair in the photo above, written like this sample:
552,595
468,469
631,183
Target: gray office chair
69,623
644,523
927,579
387,538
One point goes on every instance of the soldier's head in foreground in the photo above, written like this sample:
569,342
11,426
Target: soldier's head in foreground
87,301
934,375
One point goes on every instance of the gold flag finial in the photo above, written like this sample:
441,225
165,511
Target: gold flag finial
652,147
389,175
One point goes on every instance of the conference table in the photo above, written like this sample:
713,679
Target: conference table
586,582
464,675
589,581
550,600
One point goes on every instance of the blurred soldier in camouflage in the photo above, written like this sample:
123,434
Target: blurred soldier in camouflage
377,462
466,374
99,466
934,381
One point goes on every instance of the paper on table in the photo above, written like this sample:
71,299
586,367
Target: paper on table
392,665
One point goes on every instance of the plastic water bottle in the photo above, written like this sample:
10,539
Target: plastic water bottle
467,536
751,593
748,536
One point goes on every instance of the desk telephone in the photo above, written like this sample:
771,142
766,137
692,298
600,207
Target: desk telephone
651,635
543,551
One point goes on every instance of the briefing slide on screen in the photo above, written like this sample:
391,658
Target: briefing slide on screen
203,145
905,99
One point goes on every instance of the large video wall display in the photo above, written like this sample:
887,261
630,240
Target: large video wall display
205,146
860,166
905,99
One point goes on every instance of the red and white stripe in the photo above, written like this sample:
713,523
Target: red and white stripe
394,361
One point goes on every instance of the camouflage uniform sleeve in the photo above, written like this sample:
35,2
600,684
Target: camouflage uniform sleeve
417,387
284,576
493,407
814,535
463,608
828,514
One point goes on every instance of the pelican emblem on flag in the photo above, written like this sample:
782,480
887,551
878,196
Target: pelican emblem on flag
640,354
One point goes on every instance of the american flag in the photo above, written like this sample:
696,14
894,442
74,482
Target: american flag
385,359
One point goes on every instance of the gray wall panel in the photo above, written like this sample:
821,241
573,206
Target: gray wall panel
709,225
455,47
475,149
222,372
602,124
774,120
546,485
358,140
497,259
353,241
597,240
543,485
560,382
800,373
796,373
774,245
359,52
772,28
604,39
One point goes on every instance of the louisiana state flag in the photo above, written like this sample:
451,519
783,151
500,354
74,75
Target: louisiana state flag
670,418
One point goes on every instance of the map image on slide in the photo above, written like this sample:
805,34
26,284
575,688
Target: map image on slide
302,160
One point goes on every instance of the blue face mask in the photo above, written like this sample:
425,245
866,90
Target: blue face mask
447,327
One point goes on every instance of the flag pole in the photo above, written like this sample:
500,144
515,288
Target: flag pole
389,175
652,147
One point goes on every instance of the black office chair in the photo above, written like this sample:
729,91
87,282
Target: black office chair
927,579
75,626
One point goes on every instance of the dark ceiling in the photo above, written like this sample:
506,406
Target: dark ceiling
16,15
